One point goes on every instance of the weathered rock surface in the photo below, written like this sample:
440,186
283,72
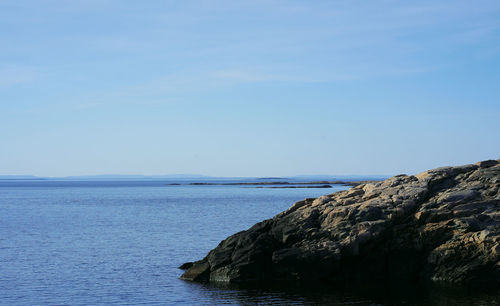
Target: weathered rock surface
440,225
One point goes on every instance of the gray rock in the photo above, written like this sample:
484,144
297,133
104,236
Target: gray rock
441,225
487,163
199,271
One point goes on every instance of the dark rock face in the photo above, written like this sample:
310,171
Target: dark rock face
441,225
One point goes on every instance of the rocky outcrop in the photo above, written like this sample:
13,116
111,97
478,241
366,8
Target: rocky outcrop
441,225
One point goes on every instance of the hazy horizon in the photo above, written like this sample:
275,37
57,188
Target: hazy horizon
191,176
247,88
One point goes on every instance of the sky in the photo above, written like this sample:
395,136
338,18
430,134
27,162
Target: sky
247,88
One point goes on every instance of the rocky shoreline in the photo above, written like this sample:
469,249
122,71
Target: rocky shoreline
442,225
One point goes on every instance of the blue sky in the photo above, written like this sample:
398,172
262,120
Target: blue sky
247,88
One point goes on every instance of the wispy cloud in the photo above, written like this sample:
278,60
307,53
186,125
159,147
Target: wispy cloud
245,75
12,75
199,46
165,88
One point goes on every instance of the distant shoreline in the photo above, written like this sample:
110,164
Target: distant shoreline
318,184
306,186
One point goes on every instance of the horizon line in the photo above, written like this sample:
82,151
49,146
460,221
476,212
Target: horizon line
183,175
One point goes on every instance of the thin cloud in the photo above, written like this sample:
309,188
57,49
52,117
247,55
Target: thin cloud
12,75
239,76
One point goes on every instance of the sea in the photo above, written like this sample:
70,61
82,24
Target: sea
120,242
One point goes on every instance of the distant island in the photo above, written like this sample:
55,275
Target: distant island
20,177
107,177
279,184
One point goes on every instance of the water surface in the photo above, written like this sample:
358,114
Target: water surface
120,242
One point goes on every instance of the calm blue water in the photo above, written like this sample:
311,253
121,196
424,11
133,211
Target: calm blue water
89,242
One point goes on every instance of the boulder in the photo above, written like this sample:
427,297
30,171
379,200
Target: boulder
442,225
